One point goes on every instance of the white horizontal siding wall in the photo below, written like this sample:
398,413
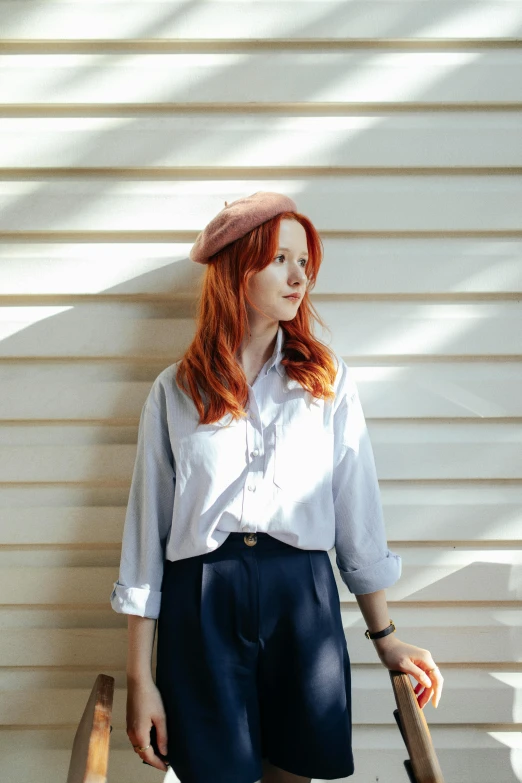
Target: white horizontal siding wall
396,126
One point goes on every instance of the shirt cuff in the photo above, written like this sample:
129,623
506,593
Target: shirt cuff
135,600
377,576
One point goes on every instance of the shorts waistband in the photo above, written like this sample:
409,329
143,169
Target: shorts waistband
254,541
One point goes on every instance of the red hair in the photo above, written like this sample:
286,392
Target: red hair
209,371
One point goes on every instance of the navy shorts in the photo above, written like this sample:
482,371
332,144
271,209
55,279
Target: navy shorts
252,663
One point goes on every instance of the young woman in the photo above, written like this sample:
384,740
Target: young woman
253,461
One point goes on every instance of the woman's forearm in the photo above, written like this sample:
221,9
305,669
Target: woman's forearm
374,609
141,632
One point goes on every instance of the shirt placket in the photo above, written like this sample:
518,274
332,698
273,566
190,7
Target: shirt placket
253,486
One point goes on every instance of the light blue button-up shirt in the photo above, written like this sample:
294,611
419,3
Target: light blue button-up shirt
298,468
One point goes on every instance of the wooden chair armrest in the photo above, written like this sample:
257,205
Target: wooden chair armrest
415,731
90,751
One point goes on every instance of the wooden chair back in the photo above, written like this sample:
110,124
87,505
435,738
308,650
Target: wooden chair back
423,765
90,751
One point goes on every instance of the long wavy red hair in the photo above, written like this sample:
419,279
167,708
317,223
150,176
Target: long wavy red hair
209,371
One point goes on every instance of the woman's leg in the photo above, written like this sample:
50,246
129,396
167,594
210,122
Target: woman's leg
272,774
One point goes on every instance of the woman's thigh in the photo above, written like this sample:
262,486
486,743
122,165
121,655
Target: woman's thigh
273,774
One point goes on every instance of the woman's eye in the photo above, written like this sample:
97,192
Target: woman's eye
302,259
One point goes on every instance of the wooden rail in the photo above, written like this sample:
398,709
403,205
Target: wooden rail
423,765
90,751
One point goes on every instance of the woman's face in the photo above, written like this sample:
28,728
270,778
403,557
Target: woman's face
285,274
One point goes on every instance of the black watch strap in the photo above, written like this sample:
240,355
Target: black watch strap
380,634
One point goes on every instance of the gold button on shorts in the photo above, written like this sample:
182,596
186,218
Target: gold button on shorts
250,539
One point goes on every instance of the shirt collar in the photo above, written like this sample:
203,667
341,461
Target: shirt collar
277,353
276,359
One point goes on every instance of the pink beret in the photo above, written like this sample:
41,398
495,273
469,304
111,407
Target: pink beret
237,219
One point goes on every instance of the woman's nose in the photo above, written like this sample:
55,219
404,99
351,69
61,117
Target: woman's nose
298,274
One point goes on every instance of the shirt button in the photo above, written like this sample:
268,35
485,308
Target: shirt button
251,488
255,453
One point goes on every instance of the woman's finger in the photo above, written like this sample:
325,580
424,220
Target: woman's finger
419,674
431,681
436,681
423,694
149,757
158,734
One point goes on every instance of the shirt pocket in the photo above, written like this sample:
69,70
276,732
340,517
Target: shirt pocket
302,461
211,457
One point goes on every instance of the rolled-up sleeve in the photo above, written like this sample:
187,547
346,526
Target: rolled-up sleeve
362,556
148,517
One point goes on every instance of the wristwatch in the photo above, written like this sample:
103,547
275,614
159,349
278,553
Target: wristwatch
380,634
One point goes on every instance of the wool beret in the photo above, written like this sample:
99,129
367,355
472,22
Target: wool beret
237,219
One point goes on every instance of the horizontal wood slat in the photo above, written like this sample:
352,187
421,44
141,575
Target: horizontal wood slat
473,647
265,21
482,513
449,631
453,140
485,511
469,697
428,575
351,268
360,329
331,76
464,753
88,494
407,203
403,452
480,393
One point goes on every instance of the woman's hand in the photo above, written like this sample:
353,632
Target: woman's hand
399,656
145,710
